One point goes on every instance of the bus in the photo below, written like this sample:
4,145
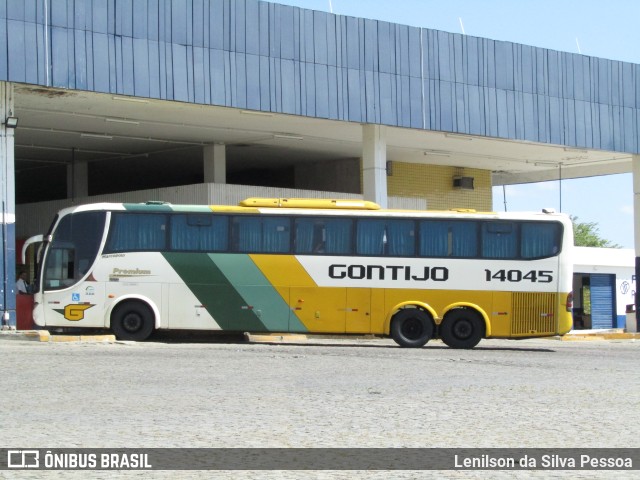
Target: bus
306,266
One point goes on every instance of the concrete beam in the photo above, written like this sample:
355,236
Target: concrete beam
77,180
374,164
215,163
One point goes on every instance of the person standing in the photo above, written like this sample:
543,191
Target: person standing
21,283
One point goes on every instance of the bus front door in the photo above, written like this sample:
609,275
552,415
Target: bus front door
80,306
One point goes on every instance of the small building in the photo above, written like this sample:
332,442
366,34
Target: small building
604,284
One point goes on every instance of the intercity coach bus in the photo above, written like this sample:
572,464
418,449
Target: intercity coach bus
304,265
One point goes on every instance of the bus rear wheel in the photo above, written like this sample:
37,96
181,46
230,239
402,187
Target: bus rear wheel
132,321
411,328
462,328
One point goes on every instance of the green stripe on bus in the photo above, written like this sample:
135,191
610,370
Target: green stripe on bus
258,292
147,207
166,207
215,292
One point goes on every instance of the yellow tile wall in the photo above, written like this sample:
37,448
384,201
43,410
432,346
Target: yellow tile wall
435,184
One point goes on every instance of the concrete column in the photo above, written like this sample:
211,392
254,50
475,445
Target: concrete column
636,222
215,163
77,179
374,164
8,205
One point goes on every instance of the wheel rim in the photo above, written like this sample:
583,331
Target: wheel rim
412,328
132,322
463,329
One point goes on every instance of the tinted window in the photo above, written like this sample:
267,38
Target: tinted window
261,234
500,239
331,236
73,249
137,232
199,232
443,238
386,237
540,239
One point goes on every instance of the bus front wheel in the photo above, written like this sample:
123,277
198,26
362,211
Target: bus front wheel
132,321
411,328
462,328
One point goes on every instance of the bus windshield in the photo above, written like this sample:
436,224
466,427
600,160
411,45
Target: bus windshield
73,248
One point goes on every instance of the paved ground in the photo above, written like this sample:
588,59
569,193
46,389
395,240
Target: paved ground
327,393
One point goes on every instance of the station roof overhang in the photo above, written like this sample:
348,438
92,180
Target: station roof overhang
58,125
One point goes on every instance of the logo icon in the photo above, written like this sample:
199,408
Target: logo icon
75,312
23,458
75,297
624,287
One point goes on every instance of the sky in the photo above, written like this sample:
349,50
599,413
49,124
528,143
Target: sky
598,28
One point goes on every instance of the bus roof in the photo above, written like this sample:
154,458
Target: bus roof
308,207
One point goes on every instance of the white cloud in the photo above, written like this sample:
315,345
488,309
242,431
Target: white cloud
627,209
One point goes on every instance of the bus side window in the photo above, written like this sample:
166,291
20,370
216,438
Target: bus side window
338,234
276,234
370,237
261,234
443,238
540,239
246,233
308,236
434,238
199,232
401,238
499,240
323,236
464,239
131,232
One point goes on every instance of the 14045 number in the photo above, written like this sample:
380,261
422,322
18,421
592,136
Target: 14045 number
534,276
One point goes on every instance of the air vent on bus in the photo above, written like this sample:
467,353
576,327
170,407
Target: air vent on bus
533,313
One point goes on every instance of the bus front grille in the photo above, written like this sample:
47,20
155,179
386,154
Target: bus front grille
533,313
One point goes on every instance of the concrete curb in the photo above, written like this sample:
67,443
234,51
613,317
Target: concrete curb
45,336
275,338
570,337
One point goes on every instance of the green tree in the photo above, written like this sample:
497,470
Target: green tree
587,234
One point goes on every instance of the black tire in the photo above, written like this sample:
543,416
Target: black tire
132,321
411,328
462,328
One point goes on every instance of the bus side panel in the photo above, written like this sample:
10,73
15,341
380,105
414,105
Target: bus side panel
310,311
268,302
357,311
78,306
222,299
500,314
378,312
320,309
186,311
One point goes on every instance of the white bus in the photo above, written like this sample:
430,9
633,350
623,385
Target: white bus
312,266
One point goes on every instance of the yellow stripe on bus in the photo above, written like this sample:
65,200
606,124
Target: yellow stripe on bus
283,271
319,309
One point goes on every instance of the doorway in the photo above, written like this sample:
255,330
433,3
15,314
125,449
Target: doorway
594,300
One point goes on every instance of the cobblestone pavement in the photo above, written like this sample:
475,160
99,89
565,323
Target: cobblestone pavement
325,393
